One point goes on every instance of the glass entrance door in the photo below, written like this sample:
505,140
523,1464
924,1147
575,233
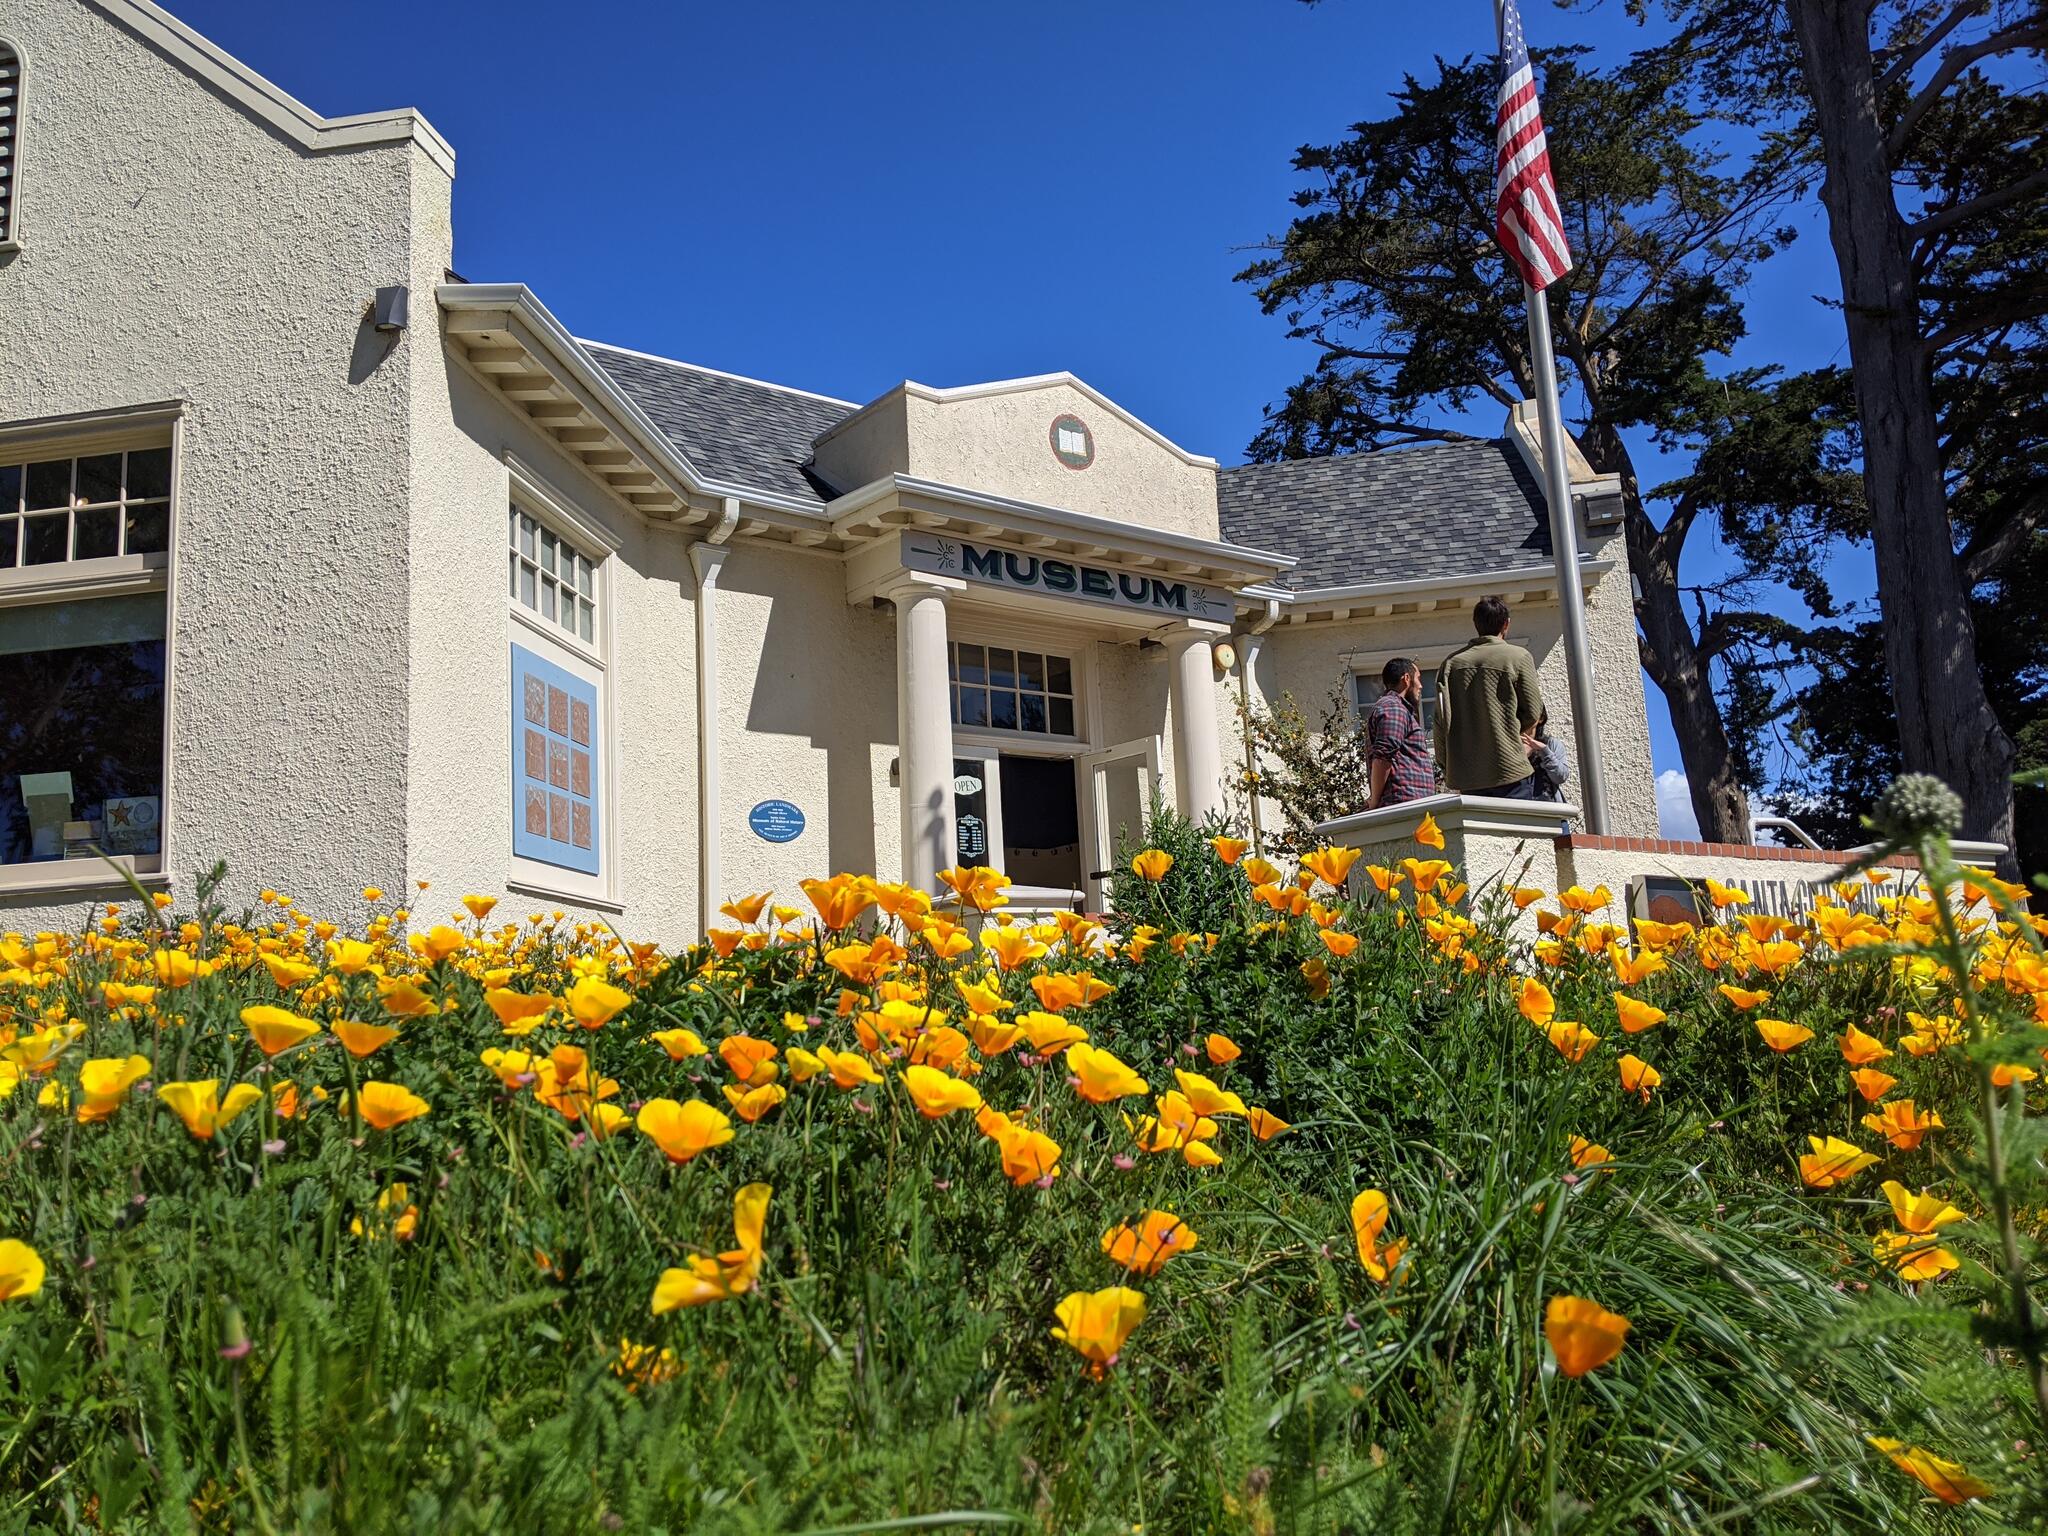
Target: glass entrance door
1020,813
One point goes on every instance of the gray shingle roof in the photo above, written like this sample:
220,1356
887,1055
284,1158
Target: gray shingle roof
732,429
1396,515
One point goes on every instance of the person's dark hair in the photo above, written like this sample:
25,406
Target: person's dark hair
1542,726
1490,615
1395,673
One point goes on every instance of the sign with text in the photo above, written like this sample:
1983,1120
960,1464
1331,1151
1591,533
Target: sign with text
1056,576
776,821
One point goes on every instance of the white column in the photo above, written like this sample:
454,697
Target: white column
924,732
707,560
1197,743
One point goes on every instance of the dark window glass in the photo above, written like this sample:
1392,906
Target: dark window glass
1002,711
1060,674
49,485
10,487
10,540
1031,671
96,533
81,728
149,529
1002,668
1063,717
45,539
149,474
970,665
1034,712
99,478
973,706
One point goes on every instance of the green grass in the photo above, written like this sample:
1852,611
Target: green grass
895,1368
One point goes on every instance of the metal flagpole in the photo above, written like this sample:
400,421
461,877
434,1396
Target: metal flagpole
1564,549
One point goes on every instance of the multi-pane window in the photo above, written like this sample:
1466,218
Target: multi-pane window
553,578
554,764
999,688
85,508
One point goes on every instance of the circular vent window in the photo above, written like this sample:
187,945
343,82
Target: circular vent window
1072,443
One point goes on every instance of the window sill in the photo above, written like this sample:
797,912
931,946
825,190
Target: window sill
564,898
58,875
112,576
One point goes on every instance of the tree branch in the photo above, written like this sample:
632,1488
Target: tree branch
2026,34
1983,557
1988,202
1914,53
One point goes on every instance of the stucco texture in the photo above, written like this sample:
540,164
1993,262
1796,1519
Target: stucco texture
174,247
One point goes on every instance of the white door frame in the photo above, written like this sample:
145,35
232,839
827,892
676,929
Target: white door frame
1092,769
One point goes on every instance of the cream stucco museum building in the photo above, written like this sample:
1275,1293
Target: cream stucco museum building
319,560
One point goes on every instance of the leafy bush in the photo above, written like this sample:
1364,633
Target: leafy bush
261,1331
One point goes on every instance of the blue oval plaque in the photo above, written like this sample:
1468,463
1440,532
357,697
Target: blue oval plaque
776,821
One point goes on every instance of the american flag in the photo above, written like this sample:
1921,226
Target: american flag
1526,219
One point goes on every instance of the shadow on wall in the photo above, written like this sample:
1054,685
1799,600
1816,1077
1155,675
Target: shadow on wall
826,675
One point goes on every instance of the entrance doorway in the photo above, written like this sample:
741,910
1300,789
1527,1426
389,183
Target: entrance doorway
1020,813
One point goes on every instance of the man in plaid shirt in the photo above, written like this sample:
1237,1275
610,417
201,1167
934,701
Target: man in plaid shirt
1400,761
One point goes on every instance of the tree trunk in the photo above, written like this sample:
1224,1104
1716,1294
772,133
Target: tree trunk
1670,654
1946,724
1674,663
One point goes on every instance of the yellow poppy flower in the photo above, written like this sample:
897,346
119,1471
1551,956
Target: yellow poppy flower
21,1270
849,1069
680,1044
396,1197
839,900
1012,945
1145,1248
201,1107
1572,1040
1099,1076
1229,849
1589,1154
1338,944
746,909
1781,1036
593,1001
361,1040
803,1064
1331,865
1635,1015
750,1060
1872,1084
1097,1324
350,957
1639,1077
1583,1334
1204,1096
1152,864
1860,1050
938,1094
1265,1124
1429,834
1833,1161
387,1106
1028,1155
438,943
1048,1034
730,1274
518,1012
683,1131
750,1104
1741,997
1902,1124
1536,1003
1946,1480
276,1029
103,1085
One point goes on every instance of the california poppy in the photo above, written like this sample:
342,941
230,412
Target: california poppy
1860,1050
276,1029
1572,1040
1781,1036
938,1094
1536,1003
1152,864
1205,1097
21,1270
1097,1324
202,1109
1946,1480
1429,834
1583,1334
1638,1076
683,1131
593,1001
1221,1050
1833,1161
1145,1248
730,1274
1100,1076
1902,1124
103,1085
389,1105
360,1039
1635,1015
1265,1124
1872,1084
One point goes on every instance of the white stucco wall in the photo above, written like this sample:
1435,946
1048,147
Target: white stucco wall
174,246
999,442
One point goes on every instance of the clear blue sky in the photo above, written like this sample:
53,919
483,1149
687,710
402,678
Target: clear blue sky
841,196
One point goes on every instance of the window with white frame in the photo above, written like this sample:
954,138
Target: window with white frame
84,538
552,577
557,702
1006,688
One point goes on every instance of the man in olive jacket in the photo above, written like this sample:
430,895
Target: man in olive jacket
1486,698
